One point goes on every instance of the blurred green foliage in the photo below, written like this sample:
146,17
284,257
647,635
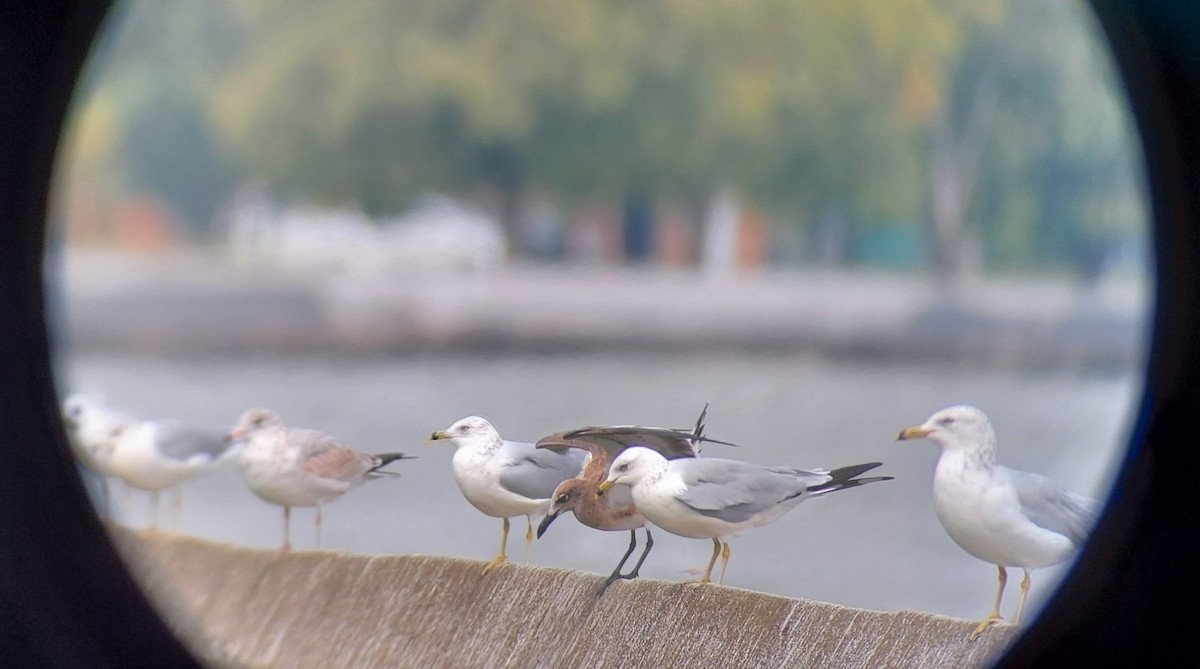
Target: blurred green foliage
803,107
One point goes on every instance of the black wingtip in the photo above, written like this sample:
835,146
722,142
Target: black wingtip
699,431
846,473
388,458
845,477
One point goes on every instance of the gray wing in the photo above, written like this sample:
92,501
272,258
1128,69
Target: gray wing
1055,508
181,441
614,439
669,442
735,491
535,473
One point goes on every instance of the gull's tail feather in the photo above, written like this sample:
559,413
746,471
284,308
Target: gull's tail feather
385,459
699,431
844,477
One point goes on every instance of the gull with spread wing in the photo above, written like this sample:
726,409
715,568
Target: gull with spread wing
614,510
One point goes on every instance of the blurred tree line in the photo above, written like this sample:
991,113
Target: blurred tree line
988,133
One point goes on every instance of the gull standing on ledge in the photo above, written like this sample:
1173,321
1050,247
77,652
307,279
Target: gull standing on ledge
297,467
93,430
615,510
154,455
1007,517
506,478
714,498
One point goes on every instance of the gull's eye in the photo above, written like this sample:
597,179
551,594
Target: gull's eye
947,420
562,499
464,429
623,467
258,421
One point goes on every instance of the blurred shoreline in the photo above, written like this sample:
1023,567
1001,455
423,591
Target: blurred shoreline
201,302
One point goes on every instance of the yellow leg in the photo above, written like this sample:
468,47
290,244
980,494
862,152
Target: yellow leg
502,558
994,616
724,563
707,578
1025,583
528,539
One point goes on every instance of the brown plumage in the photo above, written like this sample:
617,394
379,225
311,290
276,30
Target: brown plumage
613,511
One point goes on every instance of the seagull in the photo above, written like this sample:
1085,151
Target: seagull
93,430
715,498
297,467
1007,517
504,479
154,455
615,510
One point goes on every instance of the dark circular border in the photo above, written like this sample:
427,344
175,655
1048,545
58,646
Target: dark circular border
67,601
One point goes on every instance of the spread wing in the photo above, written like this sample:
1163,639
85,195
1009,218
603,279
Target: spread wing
613,439
608,442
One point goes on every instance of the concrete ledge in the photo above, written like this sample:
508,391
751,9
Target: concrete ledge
241,607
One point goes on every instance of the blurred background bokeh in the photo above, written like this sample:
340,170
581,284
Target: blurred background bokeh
827,218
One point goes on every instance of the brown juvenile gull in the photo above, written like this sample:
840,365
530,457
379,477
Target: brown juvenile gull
715,498
615,510
298,467
1007,517
504,479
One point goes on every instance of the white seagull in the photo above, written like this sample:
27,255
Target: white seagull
298,467
154,455
1007,517
715,498
93,429
504,479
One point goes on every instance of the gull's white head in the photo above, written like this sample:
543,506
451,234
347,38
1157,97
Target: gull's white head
960,427
92,428
73,408
78,408
254,420
633,466
470,431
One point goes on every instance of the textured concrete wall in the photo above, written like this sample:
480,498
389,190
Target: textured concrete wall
240,607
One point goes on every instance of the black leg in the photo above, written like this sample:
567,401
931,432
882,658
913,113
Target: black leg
617,572
637,567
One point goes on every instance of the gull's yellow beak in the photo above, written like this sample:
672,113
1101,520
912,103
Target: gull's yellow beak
440,434
914,432
604,487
